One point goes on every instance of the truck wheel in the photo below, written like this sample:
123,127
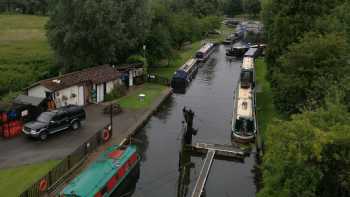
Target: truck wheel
43,136
76,125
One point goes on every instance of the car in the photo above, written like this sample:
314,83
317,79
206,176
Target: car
55,121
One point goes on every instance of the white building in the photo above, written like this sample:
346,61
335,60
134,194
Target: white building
78,88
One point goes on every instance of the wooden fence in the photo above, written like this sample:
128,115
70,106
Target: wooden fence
67,165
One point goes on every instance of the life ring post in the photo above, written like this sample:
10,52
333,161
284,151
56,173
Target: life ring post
43,184
107,133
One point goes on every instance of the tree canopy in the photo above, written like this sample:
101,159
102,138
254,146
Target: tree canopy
90,32
307,41
309,156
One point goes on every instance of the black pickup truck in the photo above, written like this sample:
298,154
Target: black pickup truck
55,121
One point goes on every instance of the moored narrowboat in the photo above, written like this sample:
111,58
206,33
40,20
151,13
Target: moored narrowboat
238,49
243,119
184,75
204,53
247,78
105,175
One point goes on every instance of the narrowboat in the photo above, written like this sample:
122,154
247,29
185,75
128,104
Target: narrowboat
203,53
247,78
238,49
252,52
106,174
184,75
243,119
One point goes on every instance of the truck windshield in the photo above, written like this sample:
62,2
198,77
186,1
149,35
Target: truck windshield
45,117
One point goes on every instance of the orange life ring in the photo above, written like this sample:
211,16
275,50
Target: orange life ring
105,135
43,185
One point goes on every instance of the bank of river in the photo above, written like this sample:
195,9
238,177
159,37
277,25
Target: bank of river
210,96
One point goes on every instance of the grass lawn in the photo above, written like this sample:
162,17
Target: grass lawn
14,181
132,101
266,111
25,55
167,69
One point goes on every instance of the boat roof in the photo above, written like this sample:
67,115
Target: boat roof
248,63
98,173
205,48
240,44
244,103
251,52
188,64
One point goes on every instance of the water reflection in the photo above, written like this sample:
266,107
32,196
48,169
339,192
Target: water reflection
184,179
141,141
207,73
128,186
164,110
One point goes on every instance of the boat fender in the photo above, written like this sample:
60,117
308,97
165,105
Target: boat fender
106,135
43,185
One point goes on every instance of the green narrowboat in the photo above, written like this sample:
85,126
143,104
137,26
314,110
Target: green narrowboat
105,175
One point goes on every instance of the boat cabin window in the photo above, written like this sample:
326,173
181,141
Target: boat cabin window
246,79
245,125
199,55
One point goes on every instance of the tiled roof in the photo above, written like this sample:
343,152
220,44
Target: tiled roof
96,75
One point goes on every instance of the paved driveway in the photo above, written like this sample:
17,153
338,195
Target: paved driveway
22,150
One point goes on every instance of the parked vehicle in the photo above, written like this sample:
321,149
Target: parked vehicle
106,175
55,121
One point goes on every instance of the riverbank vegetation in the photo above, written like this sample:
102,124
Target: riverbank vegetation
266,111
308,65
25,53
15,180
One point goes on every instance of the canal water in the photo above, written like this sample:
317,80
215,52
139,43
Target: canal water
210,96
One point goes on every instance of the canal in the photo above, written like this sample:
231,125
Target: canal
210,96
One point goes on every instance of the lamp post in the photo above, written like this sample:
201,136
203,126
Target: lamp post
145,60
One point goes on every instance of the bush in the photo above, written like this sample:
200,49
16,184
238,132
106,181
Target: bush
135,59
117,92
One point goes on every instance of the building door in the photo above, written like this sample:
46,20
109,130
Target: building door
88,93
81,97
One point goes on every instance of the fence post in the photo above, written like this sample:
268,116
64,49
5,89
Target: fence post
50,178
68,161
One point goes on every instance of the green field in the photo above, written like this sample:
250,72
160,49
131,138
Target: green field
15,180
132,101
266,111
25,55
167,69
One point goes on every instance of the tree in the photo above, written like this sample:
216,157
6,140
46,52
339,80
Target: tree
89,32
232,7
158,44
251,7
183,27
286,21
309,69
309,156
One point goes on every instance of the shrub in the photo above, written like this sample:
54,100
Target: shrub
117,92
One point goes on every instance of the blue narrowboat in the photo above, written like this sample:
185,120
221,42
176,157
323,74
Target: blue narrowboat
184,75
105,175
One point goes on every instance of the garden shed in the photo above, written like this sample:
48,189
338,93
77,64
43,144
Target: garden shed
78,88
